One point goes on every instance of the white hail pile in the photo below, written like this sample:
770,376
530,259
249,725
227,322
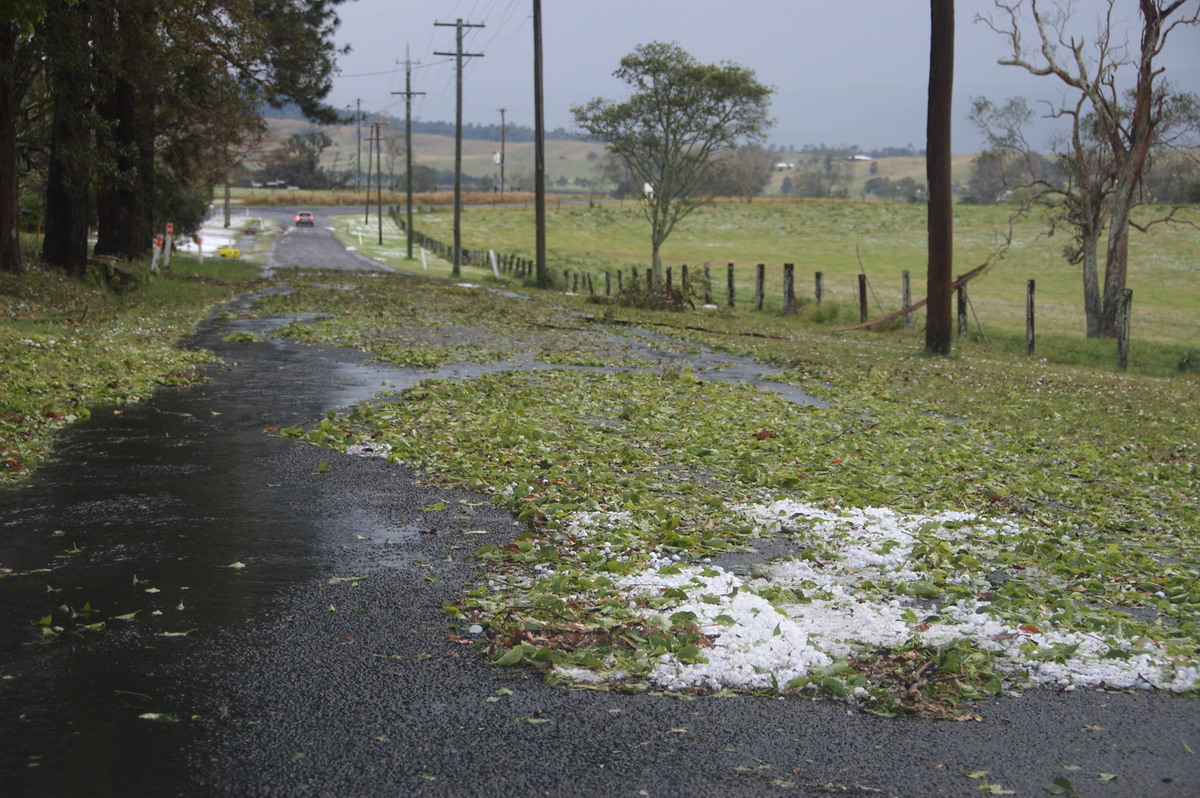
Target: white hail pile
853,566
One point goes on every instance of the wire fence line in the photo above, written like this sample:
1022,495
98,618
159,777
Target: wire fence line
777,290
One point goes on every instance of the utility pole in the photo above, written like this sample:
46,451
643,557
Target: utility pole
502,126
940,220
408,175
459,55
379,180
358,154
539,158
366,217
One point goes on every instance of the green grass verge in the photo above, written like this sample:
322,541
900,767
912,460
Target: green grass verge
1098,472
843,239
68,346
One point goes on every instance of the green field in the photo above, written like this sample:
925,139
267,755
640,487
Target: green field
843,239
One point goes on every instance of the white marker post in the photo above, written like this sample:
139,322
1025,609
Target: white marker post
167,245
158,242
424,265
200,249
495,271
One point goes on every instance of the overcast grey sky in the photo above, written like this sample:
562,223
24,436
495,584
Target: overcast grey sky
848,72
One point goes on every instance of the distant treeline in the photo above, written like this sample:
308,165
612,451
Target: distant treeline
515,133
520,133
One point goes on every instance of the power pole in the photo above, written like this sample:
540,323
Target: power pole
937,170
539,158
367,213
379,180
459,55
358,154
502,126
408,176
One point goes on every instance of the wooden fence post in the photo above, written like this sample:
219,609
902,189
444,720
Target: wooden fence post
963,321
729,282
760,281
789,289
683,279
1123,313
1029,318
862,297
707,285
668,278
906,298
607,283
819,286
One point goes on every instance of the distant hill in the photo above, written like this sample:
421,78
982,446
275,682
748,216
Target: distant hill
570,160
471,131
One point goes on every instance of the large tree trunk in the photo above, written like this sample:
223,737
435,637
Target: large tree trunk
10,215
124,203
68,70
1116,266
938,329
66,234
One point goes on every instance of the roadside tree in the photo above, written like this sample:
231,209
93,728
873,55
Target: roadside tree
146,103
1111,133
17,20
679,117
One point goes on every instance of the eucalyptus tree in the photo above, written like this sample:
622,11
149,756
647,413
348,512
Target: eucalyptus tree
1112,132
679,116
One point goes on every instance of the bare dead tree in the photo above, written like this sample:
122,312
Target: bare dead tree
1112,132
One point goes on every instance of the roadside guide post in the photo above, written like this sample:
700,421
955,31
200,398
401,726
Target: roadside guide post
158,243
167,245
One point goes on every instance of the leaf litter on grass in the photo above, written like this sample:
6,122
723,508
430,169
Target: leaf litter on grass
928,557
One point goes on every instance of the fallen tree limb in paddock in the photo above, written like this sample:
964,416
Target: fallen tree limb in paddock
954,286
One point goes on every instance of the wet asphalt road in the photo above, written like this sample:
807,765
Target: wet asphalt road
325,664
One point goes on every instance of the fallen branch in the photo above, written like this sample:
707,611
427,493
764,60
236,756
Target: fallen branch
954,286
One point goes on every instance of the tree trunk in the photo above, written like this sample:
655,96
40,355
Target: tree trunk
10,214
1116,265
1092,306
66,233
124,202
938,330
69,75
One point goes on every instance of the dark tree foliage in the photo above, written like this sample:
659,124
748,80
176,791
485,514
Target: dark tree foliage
147,103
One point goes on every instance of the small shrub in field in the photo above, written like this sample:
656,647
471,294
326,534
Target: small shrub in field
635,295
827,312
1189,362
